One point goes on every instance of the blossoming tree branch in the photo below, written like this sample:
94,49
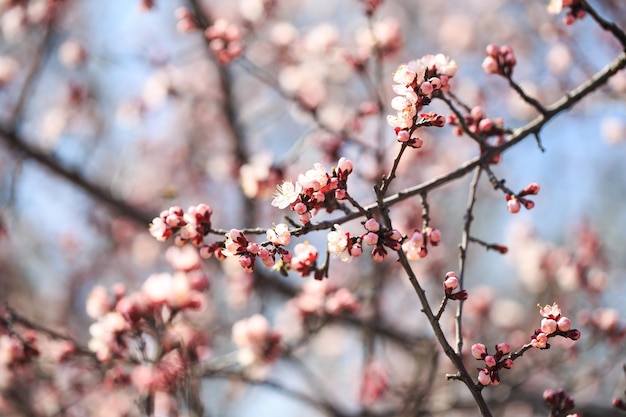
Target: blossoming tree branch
365,234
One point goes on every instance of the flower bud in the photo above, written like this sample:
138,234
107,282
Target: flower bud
479,350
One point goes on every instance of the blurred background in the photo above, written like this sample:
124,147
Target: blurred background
109,113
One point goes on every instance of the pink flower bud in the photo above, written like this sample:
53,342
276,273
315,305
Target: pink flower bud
300,208
379,254
434,236
513,205
490,65
403,136
370,238
531,189
345,165
573,334
548,326
503,348
426,88
245,261
483,377
528,204
507,363
252,248
479,350
564,324
451,284
619,403
492,50
490,361
372,225
485,125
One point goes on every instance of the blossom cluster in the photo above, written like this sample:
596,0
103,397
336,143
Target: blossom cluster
15,350
314,190
416,245
499,60
489,375
225,40
161,296
553,324
559,402
514,202
319,299
189,227
575,12
237,244
416,83
380,238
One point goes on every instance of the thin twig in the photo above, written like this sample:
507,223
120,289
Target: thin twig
463,248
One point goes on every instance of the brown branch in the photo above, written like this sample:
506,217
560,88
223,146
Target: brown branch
530,129
463,248
21,148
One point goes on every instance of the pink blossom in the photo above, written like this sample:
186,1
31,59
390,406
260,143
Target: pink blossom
413,246
338,241
540,341
279,235
304,259
341,301
550,311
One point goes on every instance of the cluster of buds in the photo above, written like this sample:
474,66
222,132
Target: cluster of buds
575,10
553,324
314,190
416,246
257,343
515,202
188,227
499,60
478,123
225,40
559,402
128,314
18,350
450,284
303,261
236,244
343,245
489,375
379,238
416,82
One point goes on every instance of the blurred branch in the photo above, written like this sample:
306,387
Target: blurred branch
463,248
21,148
